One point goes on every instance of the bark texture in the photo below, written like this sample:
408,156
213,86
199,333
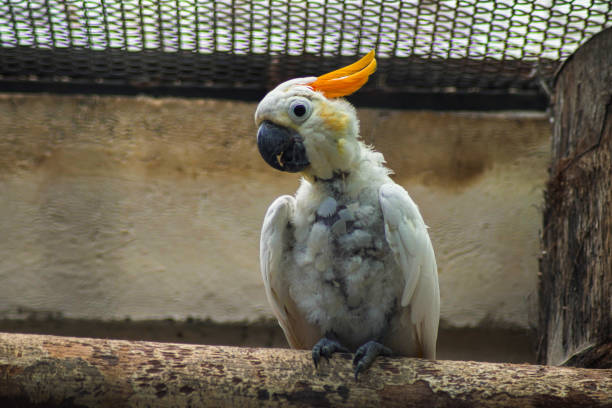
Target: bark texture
53,371
575,285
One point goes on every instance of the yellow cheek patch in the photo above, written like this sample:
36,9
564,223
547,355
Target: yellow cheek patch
334,120
340,144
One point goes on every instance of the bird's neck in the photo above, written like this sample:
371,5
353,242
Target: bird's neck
334,186
369,171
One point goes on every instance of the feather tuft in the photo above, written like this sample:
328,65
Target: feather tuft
346,80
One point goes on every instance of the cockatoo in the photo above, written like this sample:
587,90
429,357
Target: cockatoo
347,262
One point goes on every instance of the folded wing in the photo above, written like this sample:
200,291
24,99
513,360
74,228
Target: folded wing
276,241
407,236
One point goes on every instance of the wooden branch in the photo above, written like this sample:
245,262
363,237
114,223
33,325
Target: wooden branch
53,371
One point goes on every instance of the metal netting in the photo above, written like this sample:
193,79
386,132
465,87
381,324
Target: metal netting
444,46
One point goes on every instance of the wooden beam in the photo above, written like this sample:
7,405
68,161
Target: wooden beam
575,288
51,371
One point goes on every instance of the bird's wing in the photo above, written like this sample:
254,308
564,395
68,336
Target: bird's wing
276,239
407,236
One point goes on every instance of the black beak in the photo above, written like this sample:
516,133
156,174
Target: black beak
281,147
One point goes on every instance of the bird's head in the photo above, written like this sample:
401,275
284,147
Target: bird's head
305,125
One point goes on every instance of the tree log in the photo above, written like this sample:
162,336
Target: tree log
575,288
52,371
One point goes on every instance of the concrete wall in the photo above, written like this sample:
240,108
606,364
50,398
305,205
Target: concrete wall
119,207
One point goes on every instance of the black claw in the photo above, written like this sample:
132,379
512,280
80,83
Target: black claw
316,356
359,368
358,355
366,354
326,347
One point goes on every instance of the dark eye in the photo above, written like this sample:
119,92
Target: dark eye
300,109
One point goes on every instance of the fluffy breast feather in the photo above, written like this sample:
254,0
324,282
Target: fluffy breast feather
342,272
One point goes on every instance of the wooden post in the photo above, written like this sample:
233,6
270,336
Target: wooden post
54,371
575,321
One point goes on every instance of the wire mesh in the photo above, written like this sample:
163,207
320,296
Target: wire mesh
460,45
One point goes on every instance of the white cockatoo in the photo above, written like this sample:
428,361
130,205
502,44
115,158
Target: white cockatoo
347,262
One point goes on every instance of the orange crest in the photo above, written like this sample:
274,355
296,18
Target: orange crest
345,81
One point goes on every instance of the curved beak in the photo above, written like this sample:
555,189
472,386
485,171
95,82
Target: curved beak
281,148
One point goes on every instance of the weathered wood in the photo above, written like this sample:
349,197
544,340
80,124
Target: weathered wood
575,286
52,371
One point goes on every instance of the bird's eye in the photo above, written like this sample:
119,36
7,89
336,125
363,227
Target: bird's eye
300,109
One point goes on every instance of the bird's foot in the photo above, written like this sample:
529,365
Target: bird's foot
367,353
326,347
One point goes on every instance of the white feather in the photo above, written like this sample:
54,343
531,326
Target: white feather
409,241
272,246
276,239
